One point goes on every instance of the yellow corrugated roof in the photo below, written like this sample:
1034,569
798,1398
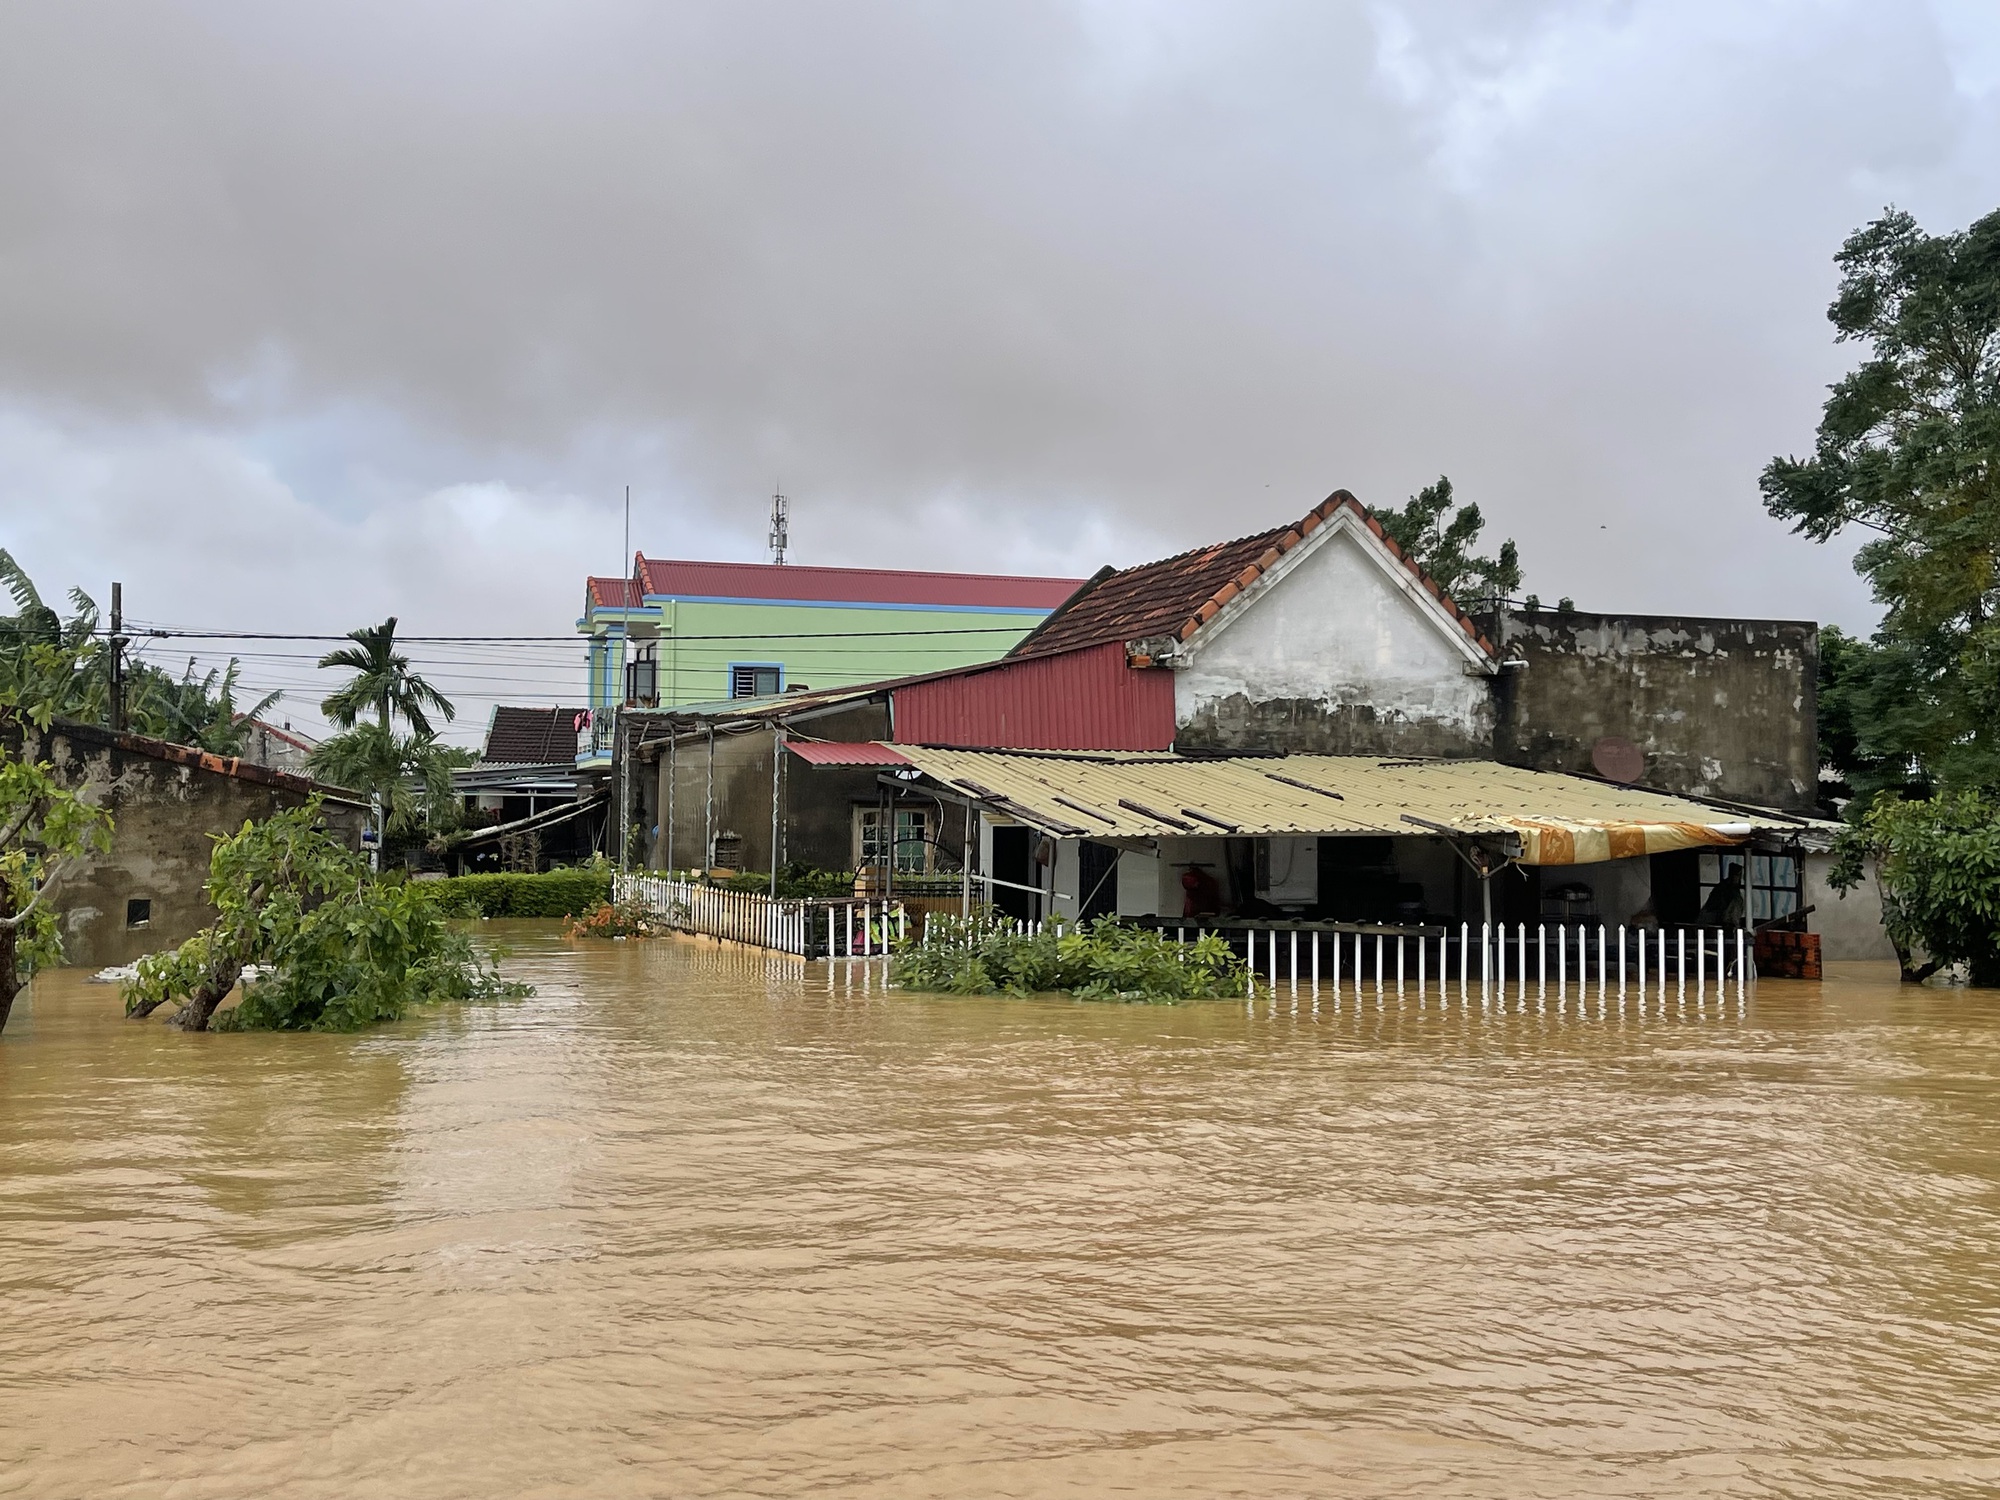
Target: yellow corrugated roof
1561,819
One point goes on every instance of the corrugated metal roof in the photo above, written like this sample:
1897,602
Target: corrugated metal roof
1078,700
1562,819
828,753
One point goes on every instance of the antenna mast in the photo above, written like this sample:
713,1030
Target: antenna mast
781,526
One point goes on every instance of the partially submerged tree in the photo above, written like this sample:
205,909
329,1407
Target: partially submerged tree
1938,864
42,828
336,949
1439,538
1908,450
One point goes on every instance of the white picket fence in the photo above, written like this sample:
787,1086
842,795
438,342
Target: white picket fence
809,929
1493,959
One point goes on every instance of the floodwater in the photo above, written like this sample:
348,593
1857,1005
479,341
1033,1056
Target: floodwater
695,1222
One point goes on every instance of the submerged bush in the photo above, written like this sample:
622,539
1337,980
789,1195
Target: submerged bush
558,893
1105,960
333,948
616,919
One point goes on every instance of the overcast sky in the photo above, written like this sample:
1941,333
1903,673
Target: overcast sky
311,314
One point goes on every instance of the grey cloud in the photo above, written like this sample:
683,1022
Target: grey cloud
1032,285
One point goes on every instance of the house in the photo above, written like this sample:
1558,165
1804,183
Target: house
168,804
679,632
530,803
1321,642
277,747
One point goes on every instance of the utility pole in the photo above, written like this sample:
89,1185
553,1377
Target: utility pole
117,658
781,525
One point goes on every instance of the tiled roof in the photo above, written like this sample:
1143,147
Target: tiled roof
1178,595
194,758
531,736
669,578
613,593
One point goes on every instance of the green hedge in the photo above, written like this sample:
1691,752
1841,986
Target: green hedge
559,893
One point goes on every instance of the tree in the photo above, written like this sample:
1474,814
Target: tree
383,682
1439,539
411,774
337,949
42,828
1908,449
1938,864
50,667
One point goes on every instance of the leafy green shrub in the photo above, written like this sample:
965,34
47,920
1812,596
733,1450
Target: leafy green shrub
558,893
796,882
1105,960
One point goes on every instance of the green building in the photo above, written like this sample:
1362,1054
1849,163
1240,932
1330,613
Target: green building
677,632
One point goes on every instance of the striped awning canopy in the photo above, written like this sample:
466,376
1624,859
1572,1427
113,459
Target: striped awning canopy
1543,817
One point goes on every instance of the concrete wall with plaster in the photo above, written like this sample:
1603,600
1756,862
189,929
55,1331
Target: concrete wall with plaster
165,819
1849,924
1719,708
1331,657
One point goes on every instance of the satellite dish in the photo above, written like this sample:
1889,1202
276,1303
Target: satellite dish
1618,759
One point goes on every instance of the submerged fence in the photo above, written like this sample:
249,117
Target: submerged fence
1491,959
810,929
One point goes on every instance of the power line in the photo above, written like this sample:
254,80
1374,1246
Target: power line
578,639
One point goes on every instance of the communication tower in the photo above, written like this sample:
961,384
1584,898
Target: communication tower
781,527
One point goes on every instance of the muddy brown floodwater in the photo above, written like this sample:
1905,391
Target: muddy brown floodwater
692,1222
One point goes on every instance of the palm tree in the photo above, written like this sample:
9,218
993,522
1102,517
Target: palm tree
382,681
410,773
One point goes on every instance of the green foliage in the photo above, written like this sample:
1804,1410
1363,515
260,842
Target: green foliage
558,893
1440,539
51,668
1908,449
382,682
1938,864
796,882
338,950
1104,960
411,774
42,828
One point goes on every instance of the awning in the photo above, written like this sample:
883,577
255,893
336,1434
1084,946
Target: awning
1555,819
865,753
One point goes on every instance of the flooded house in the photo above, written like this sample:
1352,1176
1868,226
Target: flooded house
1298,726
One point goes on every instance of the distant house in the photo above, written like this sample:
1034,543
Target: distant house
168,804
680,632
532,805
276,747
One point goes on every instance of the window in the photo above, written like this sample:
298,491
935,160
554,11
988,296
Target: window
642,679
1774,882
913,835
138,911
756,679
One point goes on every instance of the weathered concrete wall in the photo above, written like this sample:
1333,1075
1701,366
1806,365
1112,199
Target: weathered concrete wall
817,801
1849,924
165,816
1332,658
1720,708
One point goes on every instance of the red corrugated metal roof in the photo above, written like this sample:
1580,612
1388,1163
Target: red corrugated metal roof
865,753
670,578
1178,595
1077,700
